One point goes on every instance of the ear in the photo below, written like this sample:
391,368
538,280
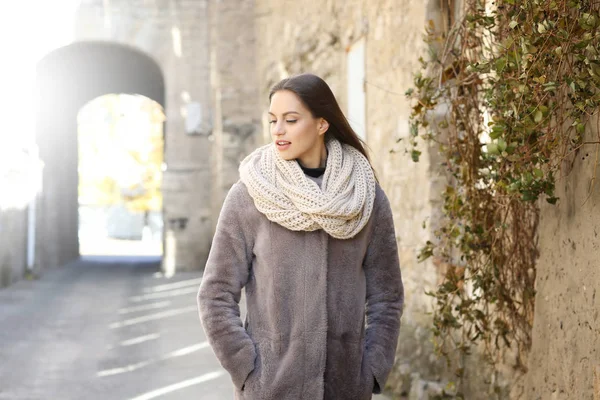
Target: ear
323,126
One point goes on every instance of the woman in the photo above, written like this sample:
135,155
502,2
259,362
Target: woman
308,233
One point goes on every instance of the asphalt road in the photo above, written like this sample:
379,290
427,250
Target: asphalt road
106,328
109,328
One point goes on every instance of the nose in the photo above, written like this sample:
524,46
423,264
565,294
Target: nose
278,129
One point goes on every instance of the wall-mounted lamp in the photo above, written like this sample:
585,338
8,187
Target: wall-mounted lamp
178,224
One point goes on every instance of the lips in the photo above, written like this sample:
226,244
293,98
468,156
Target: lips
282,144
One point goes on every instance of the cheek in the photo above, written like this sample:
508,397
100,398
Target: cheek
305,131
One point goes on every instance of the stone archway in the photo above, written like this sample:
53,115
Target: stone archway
66,79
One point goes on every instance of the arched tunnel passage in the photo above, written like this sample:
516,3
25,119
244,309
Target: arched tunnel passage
121,163
66,80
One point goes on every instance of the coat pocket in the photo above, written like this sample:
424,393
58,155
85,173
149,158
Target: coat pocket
252,387
279,372
249,378
348,374
367,376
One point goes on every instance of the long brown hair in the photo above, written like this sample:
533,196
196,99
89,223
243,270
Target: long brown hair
320,100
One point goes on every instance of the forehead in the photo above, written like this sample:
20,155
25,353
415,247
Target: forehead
284,101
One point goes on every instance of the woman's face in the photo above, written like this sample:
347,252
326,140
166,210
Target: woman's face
295,132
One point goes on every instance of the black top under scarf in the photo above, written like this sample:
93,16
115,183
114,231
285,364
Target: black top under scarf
314,172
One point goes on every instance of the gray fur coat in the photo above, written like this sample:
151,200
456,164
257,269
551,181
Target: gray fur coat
308,298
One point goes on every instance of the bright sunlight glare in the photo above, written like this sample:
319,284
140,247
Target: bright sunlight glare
27,36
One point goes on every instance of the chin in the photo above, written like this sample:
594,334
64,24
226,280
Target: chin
287,157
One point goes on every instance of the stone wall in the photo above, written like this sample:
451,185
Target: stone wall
234,92
19,171
176,36
205,50
565,358
13,245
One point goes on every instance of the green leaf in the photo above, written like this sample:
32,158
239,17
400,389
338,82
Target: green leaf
492,148
501,64
538,116
528,196
426,251
414,128
558,51
501,145
497,131
572,86
588,21
513,24
415,155
541,28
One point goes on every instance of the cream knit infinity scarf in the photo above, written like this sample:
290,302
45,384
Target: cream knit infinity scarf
341,206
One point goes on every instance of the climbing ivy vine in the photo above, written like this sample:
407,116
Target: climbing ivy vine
506,94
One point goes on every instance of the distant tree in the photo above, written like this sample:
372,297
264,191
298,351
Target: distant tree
121,152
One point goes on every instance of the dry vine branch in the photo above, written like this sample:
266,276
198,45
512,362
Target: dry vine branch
521,82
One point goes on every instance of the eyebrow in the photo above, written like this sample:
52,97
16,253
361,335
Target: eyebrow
286,113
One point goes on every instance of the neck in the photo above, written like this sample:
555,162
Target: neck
316,160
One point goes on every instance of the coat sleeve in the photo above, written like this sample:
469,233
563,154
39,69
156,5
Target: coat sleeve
225,274
385,293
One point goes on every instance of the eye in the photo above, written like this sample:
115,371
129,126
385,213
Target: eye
291,121
272,122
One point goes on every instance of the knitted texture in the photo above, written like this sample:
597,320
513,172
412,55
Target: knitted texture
282,192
